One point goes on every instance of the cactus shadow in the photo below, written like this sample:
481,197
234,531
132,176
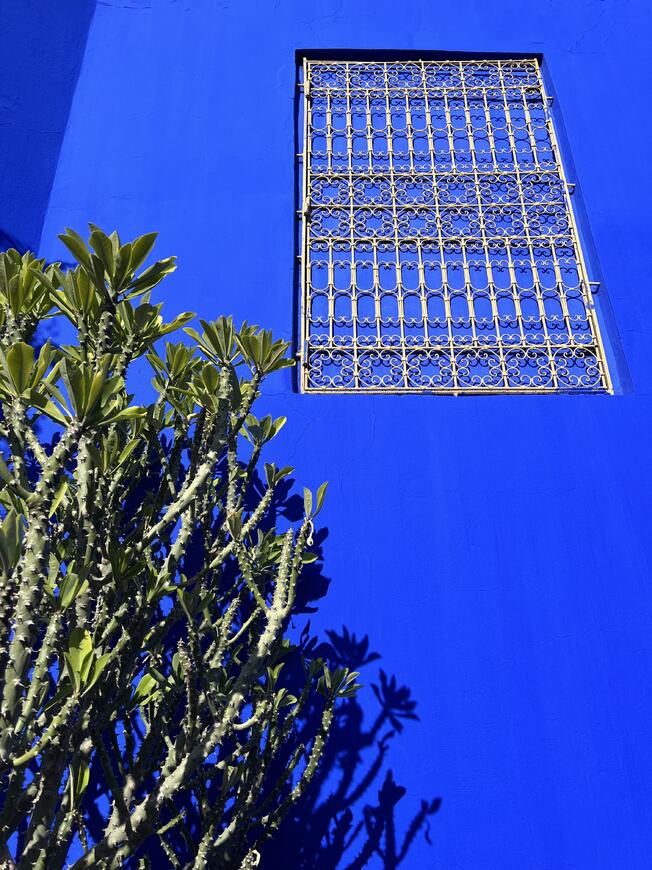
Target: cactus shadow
346,819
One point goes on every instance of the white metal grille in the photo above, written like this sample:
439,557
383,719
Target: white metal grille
439,248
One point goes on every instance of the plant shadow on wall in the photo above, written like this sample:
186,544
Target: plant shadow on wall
161,705
347,817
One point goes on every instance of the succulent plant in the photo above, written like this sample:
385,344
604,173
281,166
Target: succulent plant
145,590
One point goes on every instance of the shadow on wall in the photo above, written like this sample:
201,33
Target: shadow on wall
346,818
42,49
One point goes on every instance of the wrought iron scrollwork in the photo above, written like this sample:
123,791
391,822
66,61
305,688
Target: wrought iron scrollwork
439,247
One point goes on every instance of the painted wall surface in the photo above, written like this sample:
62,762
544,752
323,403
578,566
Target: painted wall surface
42,48
496,550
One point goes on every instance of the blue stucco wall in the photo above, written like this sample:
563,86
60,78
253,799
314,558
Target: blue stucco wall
496,550
42,49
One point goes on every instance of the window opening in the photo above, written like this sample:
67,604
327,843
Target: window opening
440,251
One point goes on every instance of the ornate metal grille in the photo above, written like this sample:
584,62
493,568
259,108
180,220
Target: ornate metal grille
439,248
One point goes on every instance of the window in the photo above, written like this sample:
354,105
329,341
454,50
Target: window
439,251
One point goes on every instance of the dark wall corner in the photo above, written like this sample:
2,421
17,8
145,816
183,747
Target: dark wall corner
42,49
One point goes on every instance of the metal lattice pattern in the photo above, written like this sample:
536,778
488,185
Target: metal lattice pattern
439,248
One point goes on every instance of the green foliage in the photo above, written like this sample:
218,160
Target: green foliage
144,588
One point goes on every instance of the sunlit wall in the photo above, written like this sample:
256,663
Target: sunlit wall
496,550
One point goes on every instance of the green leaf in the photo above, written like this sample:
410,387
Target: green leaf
99,664
72,667
5,474
45,406
20,361
321,493
122,266
307,501
283,364
71,586
234,524
270,473
146,684
77,247
278,424
140,249
102,246
51,576
79,657
152,276
146,690
86,665
80,641
131,413
97,384
128,450
10,541
59,496
211,378
189,330
80,775
177,323
74,381
97,272
42,363
63,692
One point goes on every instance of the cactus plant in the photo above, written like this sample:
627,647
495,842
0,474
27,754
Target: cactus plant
145,589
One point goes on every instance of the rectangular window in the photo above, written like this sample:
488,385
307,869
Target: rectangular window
439,248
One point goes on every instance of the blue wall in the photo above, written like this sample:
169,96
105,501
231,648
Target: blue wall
495,549
42,48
